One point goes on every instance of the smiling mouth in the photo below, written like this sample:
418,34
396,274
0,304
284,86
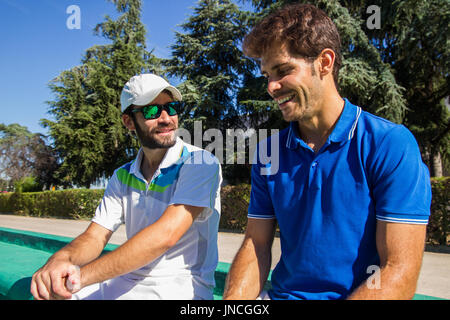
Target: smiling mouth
164,131
285,99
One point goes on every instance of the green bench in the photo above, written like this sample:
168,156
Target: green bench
23,252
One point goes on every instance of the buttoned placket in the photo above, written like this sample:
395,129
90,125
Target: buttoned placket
140,176
314,160
155,175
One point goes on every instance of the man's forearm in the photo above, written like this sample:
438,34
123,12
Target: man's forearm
138,251
80,251
49,281
144,247
86,247
400,247
248,273
387,283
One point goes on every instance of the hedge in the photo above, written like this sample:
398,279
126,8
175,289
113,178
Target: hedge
438,229
72,203
81,204
234,205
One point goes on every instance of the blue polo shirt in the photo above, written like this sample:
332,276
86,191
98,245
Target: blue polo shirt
327,203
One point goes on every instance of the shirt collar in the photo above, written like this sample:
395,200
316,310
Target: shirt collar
346,126
293,138
172,155
343,131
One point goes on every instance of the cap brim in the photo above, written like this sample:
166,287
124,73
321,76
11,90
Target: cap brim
151,95
176,94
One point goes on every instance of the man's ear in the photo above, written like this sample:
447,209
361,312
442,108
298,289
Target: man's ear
128,122
326,61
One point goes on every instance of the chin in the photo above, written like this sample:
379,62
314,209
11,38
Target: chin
290,116
166,142
296,114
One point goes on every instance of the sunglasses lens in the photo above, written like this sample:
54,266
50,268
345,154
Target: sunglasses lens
154,111
151,112
172,111
174,107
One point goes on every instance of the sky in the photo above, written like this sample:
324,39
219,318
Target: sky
36,46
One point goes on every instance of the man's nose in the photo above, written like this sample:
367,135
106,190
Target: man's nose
164,117
273,85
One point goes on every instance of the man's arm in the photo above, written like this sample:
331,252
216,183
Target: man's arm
251,266
144,247
400,247
48,281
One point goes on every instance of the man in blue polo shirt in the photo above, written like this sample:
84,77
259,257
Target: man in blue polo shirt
350,193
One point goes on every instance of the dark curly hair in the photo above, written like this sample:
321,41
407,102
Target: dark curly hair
303,28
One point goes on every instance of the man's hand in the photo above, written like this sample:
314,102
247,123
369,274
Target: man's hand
144,247
48,283
73,281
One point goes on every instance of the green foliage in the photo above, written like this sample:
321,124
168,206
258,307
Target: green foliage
27,184
235,200
71,204
413,40
364,78
6,204
25,154
81,204
412,73
87,131
5,185
209,60
16,152
420,55
438,229
399,72
207,56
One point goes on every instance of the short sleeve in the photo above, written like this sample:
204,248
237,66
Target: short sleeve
260,206
109,213
199,183
400,180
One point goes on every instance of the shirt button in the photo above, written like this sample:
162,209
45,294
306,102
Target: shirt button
314,164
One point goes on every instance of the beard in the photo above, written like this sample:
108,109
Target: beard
149,139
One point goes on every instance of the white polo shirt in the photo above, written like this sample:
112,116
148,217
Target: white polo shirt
187,175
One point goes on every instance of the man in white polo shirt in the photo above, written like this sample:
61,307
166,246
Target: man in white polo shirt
168,198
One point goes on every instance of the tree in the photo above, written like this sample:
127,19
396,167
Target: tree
222,86
414,40
364,77
27,184
87,131
15,152
25,156
398,70
208,60
45,163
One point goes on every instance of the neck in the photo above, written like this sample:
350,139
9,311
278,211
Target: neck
316,129
151,161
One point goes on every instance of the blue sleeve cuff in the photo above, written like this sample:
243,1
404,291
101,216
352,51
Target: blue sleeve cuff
260,216
402,218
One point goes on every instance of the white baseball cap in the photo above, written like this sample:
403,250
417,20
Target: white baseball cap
142,89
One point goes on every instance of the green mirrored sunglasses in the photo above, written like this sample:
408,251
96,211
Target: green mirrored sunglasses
154,111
